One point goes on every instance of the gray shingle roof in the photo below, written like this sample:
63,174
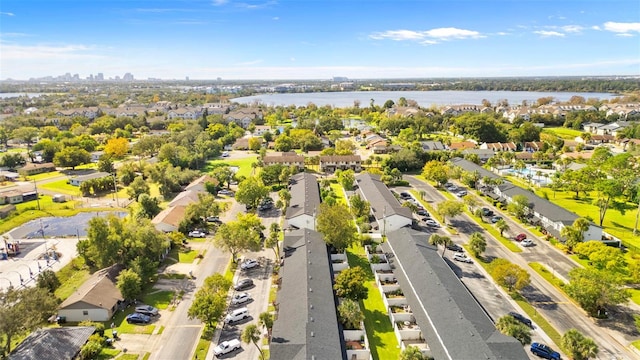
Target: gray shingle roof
382,201
452,322
543,207
470,166
307,323
54,343
305,195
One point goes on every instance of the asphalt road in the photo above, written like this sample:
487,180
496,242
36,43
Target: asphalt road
562,314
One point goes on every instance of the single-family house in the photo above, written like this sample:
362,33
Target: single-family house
241,144
62,343
97,299
33,169
78,180
432,145
261,130
168,220
388,212
482,154
96,155
332,163
11,197
305,201
498,147
452,322
533,146
462,145
286,159
307,325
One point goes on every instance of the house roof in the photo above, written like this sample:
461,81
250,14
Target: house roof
383,203
307,327
339,158
452,322
432,145
169,218
95,175
62,343
33,166
198,184
471,166
99,290
462,145
185,198
305,195
541,206
279,159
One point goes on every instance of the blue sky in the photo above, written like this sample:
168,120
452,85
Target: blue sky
313,39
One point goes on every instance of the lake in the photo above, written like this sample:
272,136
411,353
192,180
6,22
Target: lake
423,98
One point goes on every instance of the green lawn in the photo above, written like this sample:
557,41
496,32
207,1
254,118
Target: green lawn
158,299
44,176
337,189
61,187
244,165
187,257
382,339
564,133
109,353
202,349
71,276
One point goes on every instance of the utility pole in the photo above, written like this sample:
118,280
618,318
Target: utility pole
115,190
37,195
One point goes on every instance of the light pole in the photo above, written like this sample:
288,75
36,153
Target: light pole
37,196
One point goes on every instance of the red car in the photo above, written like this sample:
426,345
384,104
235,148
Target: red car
521,237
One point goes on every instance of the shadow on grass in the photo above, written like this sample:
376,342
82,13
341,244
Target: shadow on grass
355,260
376,322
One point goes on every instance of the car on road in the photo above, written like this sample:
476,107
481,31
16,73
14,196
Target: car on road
487,212
249,264
226,347
422,212
243,284
236,315
450,187
521,318
197,234
146,310
462,258
521,237
431,222
455,247
137,318
527,242
405,195
544,351
495,219
225,192
225,154
240,298
461,193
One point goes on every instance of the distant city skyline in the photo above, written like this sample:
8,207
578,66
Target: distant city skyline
295,39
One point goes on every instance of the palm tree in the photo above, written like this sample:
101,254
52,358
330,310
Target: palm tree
412,353
266,320
350,314
502,226
251,334
477,244
579,346
436,240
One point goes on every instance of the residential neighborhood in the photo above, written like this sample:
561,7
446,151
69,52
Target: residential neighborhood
160,228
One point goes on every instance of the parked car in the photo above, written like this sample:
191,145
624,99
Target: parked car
225,192
495,219
197,234
521,318
521,236
422,212
405,195
264,207
431,222
236,315
451,187
225,154
146,310
137,318
214,219
240,298
527,242
462,258
243,284
461,193
487,212
455,247
226,347
544,351
249,264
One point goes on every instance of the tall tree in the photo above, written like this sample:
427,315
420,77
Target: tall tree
336,225
240,235
502,226
251,191
511,276
519,206
117,147
350,284
437,240
595,290
509,326
266,320
130,284
436,171
350,314
450,208
477,244
251,334
579,346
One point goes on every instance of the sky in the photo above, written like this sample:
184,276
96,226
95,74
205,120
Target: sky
313,39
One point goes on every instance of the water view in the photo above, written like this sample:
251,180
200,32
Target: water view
424,98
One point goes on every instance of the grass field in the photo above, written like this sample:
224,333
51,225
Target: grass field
564,133
244,165
45,176
62,187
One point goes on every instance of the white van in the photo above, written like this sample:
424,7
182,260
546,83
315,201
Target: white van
236,315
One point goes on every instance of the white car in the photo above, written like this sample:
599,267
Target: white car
197,234
226,347
527,242
249,264
431,222
462,257
240,298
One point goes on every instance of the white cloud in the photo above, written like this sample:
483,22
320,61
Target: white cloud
596,27
427,37
39,52
275,18
7,13
219,2
545,33
624,35
572,28
622,27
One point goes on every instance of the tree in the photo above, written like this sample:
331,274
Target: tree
138,187
117,147
273,239
255,143
285,197
48,279
71,156
477,244
502,226
436,171
240,235
436,240
350,314
594,290
346,179
208,306
608,190
266,320
223,174
149,206
283,143
251,191
105,164
412,353
511,276
129,284
251,334
25,133
359,206
578,346
601,256
350,284
519,206
509,326
450,208
336,225
574,234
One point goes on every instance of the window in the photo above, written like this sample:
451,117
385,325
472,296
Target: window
85,312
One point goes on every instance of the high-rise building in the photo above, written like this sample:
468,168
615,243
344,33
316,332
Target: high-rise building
127,77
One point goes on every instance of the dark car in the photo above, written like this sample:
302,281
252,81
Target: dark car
495,219
455,247
137,318
405,195
422,212
214,219
522,319
243,284
544,351
486,212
